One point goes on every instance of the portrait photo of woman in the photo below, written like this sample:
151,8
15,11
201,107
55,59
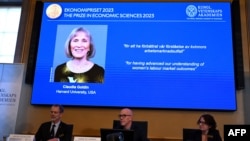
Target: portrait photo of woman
79,47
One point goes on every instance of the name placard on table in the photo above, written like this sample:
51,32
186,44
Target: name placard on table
20,137
87,139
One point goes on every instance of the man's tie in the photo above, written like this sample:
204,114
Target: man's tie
52,131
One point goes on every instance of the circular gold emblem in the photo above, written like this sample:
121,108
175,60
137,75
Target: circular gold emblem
53,11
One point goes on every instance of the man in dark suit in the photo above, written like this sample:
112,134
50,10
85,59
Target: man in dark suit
126,122
54,130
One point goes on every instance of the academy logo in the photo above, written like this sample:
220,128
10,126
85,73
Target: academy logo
191,11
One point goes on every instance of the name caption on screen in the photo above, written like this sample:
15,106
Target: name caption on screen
76,89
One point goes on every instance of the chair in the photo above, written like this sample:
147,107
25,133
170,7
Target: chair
142,124
188,133
70,129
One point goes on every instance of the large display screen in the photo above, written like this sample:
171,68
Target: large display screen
163,55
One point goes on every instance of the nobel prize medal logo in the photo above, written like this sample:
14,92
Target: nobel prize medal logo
54,11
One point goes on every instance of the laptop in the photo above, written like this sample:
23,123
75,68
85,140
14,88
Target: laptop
116,134
188,134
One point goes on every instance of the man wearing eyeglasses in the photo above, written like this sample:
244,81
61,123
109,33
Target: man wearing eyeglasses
126,122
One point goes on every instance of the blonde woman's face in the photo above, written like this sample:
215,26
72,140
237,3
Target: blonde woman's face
80,45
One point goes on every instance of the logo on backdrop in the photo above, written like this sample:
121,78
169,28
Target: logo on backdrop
203,12
191,11
54,11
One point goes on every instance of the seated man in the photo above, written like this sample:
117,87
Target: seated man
54,130
126,122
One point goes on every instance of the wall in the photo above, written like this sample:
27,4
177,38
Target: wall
87,121
246,65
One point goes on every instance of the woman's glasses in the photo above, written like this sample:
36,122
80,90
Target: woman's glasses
202,122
